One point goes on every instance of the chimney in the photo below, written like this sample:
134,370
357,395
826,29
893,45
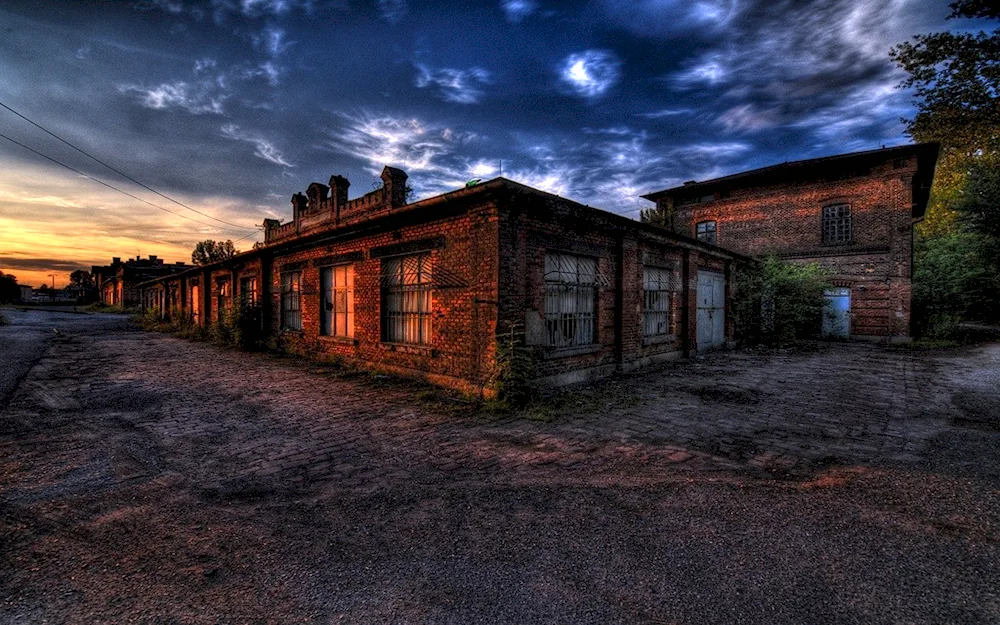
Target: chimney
688,183
270,225
300,204
338,193
154,260
116,260
179,263
395,186
317,197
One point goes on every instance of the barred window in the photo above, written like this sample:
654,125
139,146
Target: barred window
248,291
570,296
656,300
291,301
337,312
837,224
406,299
222,300
705,231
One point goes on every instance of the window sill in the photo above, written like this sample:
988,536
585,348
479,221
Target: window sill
564,352
298,333
407,348
659,338
339,340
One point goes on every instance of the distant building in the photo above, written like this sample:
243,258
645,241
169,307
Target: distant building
433,288
27,293
851,213
116,282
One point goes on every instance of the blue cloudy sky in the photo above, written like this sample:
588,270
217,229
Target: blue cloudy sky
231,106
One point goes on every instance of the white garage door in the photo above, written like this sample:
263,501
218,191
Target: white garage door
711,310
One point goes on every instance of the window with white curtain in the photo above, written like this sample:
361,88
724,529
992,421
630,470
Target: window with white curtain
656,301
570,299
291,301
407,292
337,301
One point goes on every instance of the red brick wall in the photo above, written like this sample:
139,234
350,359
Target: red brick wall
530,229
786,220
463,324
487,262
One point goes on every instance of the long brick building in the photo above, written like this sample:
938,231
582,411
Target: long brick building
116,283
426,288
851,213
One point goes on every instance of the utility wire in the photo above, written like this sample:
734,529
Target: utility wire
77,171
120,173
252,234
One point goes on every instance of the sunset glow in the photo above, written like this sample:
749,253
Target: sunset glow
231,108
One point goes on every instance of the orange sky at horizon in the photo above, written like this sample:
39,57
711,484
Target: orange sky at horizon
54,222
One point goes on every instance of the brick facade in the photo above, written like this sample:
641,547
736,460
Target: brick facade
486,247
117,283
779,210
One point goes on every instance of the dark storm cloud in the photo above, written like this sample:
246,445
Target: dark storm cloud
12,265
250,100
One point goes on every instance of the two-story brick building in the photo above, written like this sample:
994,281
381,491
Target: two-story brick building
851,213
426,288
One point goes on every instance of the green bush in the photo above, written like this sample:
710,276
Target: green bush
777,302
956,277
246,327
240,328
513,371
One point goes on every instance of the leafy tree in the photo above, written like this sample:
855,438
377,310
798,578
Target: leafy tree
979,201
956,80
9,290
209,251
81,279
957,279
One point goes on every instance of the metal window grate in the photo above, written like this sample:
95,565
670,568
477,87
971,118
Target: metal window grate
837,224
656,299
291,301
407,291
248,291
570,296
705,231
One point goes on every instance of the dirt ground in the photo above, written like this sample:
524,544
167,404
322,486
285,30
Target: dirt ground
146,479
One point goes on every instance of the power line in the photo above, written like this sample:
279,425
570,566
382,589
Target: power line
252,234
110,186
120,173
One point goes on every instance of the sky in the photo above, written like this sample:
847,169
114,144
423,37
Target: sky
231,106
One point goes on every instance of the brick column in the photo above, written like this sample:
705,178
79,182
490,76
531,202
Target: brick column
206,298
628,292
689,314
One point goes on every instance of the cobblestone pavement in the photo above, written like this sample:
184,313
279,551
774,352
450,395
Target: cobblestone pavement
192,479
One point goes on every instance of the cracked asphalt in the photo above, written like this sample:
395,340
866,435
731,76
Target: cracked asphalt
147,479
